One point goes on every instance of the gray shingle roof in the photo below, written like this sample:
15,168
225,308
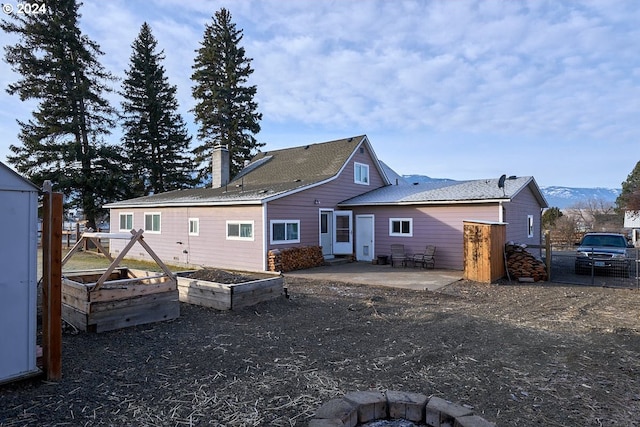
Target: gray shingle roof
475,191
269,175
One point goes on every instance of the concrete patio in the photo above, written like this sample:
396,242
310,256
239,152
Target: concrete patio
382,275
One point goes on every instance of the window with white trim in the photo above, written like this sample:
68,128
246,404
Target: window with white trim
152,222
361,173
285,231
194,226
126,221
239,230
529,225
402,227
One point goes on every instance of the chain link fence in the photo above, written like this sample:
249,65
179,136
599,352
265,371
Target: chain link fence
566,267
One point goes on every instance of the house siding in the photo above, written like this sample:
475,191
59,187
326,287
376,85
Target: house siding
210,248
441,226
516,212
302,205
438,224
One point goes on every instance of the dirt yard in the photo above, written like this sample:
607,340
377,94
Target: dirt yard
520,355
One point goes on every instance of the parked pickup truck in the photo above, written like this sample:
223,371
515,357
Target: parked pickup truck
603,252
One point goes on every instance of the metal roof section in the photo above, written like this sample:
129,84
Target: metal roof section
439,192
270,175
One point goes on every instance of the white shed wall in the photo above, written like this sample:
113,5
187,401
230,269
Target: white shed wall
18,282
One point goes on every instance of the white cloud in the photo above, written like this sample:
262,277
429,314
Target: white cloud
428,72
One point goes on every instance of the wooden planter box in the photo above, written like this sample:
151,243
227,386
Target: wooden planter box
117,297
229,296
127,298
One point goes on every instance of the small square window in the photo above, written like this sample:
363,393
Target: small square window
285,231
152,222
401,227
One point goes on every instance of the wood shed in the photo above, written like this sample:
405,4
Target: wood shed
484,250
18,281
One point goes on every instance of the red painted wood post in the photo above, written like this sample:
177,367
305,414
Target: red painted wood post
52,284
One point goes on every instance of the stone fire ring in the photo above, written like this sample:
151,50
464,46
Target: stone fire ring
360,407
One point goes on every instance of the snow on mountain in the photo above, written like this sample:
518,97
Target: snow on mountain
559,197
565,197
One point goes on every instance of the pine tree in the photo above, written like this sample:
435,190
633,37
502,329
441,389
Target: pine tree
550,216
629,198
225,111
63,140
156,140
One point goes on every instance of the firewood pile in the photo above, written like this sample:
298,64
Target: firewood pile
290,259
522,265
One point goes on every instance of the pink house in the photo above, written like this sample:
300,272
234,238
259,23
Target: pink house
335,194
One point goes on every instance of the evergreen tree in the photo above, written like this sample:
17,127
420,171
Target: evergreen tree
629,198
550,216
63,140
156,140
225,109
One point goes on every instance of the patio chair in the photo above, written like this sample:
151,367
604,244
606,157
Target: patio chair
398,255
428,257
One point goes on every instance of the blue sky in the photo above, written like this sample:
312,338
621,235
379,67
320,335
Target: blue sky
450,89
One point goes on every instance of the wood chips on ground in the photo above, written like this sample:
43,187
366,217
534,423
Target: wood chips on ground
520,355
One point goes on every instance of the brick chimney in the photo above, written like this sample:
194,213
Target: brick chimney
220,166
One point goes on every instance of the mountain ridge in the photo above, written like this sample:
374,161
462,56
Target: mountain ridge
556,196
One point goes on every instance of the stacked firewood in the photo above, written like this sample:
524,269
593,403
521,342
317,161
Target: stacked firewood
290,259
522,265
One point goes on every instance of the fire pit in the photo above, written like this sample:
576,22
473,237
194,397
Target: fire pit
394,409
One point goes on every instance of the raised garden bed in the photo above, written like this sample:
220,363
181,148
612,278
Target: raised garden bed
117,297
128,297
228,290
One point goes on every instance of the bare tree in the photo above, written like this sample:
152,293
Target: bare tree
566,230
596,215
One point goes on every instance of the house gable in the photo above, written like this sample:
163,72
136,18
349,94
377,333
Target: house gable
304,205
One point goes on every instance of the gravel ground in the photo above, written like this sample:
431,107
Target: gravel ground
520,355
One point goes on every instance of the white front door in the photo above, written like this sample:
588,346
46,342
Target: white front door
326,233
364,237
342,233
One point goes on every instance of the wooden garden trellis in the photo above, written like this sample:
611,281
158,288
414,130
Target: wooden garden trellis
134,237
116,297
